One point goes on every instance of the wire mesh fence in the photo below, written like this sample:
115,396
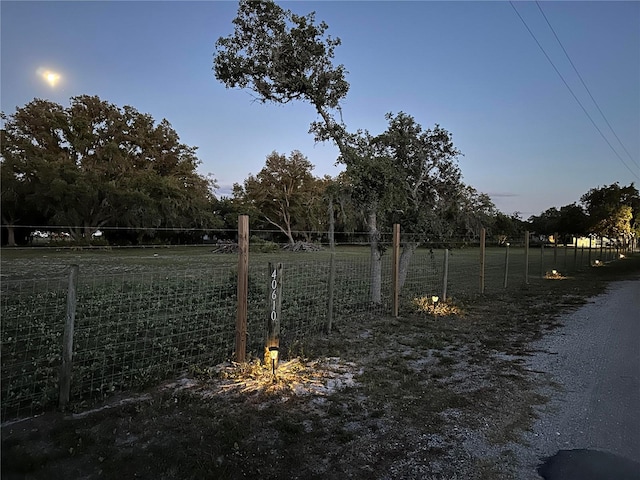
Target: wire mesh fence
133,332
139,325
33,313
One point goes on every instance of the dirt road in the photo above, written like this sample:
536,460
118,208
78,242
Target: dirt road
595,407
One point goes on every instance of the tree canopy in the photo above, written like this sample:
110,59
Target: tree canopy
94,165
614,211
281,57
284,194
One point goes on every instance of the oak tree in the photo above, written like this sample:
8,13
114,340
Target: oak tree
284,194
281,57
94,165
613,211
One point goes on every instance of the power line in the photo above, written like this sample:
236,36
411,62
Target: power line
585,85
571,91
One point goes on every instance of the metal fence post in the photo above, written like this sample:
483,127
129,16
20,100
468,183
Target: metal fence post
331,287
483,233
396,268
445,274
506,265
526,257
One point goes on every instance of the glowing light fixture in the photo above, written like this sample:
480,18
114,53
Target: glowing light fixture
435,299
273,354
597,262
621,255
554,272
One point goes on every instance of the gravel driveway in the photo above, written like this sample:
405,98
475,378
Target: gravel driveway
593,361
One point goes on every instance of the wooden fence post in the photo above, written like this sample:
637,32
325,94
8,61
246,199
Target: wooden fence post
506,265
445,274
273,321
526,257
243,287
332,282
67,339
332,265
396,268
483,234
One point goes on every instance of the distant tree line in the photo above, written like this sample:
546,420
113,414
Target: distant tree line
610,211
95,166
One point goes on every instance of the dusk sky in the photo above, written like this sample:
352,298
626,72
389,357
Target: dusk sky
472,67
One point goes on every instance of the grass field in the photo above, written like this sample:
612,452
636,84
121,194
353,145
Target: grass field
412,397
145,314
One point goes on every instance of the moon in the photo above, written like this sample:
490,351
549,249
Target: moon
49,76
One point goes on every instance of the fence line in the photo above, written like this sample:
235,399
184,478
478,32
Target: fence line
136,328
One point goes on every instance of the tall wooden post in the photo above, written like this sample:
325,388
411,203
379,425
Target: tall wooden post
332,265
483,234
243,287
555,250
67,339
396,268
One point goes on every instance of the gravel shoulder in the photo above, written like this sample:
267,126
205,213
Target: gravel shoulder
592,365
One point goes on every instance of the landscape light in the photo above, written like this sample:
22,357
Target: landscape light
273,353
621,255
554,272
597,262
434,299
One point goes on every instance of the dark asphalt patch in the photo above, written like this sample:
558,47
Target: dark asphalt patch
584,464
